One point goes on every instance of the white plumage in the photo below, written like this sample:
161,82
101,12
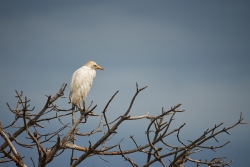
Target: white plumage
81,82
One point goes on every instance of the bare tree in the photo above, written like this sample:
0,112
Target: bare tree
156,132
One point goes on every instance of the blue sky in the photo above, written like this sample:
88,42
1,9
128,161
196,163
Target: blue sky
193,52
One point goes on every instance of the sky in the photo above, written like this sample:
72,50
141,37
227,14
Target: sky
192,52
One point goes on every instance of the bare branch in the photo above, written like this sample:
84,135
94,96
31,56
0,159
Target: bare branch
127,159
157,147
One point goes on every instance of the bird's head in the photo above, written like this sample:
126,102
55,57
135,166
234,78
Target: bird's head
93,65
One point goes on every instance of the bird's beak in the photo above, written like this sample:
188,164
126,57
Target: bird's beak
99,67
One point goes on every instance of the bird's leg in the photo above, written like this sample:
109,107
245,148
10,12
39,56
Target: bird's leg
83,102
78,104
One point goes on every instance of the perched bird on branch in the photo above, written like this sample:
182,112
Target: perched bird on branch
81,82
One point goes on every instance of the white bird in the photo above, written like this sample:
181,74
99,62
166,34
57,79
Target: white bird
81,82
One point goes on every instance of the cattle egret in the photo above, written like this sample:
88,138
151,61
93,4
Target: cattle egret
81,82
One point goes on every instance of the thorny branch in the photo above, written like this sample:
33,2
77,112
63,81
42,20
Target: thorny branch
157,148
